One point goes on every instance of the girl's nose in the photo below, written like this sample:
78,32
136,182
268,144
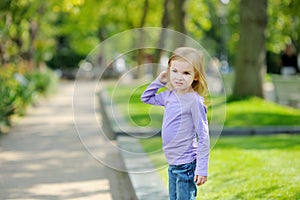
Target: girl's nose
179,76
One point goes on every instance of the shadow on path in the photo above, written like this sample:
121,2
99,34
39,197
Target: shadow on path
43,158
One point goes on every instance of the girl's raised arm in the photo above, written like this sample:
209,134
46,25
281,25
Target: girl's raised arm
150,95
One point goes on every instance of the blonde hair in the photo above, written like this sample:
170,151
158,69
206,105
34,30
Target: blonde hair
196,59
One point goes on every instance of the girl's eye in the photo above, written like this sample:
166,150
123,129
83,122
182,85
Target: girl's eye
174,70
186,73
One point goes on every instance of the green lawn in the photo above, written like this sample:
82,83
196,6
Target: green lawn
127,99
248,112
245,167
258,112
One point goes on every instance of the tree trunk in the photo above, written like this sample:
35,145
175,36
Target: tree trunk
251,49
141,53
178,21
33,31
4,39
162,38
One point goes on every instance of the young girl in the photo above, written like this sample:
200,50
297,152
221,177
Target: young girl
185,134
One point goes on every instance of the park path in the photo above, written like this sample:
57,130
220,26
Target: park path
42,156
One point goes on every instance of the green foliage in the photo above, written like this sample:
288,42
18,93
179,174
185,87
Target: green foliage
33,29
19,87
245,167
64,58
42,81
26,31
214,25
9,88
204,24
283,24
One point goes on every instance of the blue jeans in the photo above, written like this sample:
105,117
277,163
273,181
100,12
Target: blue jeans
181,181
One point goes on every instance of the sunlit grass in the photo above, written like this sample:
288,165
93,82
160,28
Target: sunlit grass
258,112
246,167
137,113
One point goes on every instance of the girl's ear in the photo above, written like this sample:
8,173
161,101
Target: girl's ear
196,77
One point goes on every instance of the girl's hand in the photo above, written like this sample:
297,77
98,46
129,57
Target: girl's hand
200,180
163,76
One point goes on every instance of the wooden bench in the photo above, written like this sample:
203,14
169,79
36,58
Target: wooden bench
287,90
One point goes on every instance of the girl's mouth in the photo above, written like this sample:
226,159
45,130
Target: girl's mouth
178,83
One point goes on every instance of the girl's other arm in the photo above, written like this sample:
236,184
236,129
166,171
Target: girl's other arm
201,126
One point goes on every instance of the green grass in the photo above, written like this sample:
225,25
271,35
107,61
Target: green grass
258,112
245,167
247,112
137,113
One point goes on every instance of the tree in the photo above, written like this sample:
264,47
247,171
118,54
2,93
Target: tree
161,42
251,49
141,52
179,21
283,24
26,32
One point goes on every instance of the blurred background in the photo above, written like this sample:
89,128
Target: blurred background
254,47
42,40
60,34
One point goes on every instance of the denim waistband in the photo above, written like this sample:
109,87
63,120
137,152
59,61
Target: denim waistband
193,162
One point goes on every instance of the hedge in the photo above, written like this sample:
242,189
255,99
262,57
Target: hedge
20,87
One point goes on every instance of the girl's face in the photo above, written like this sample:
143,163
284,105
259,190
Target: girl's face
182,75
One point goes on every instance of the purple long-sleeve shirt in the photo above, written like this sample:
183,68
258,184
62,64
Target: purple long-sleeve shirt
185,133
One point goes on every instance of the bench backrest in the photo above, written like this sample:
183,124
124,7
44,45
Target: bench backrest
286,87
